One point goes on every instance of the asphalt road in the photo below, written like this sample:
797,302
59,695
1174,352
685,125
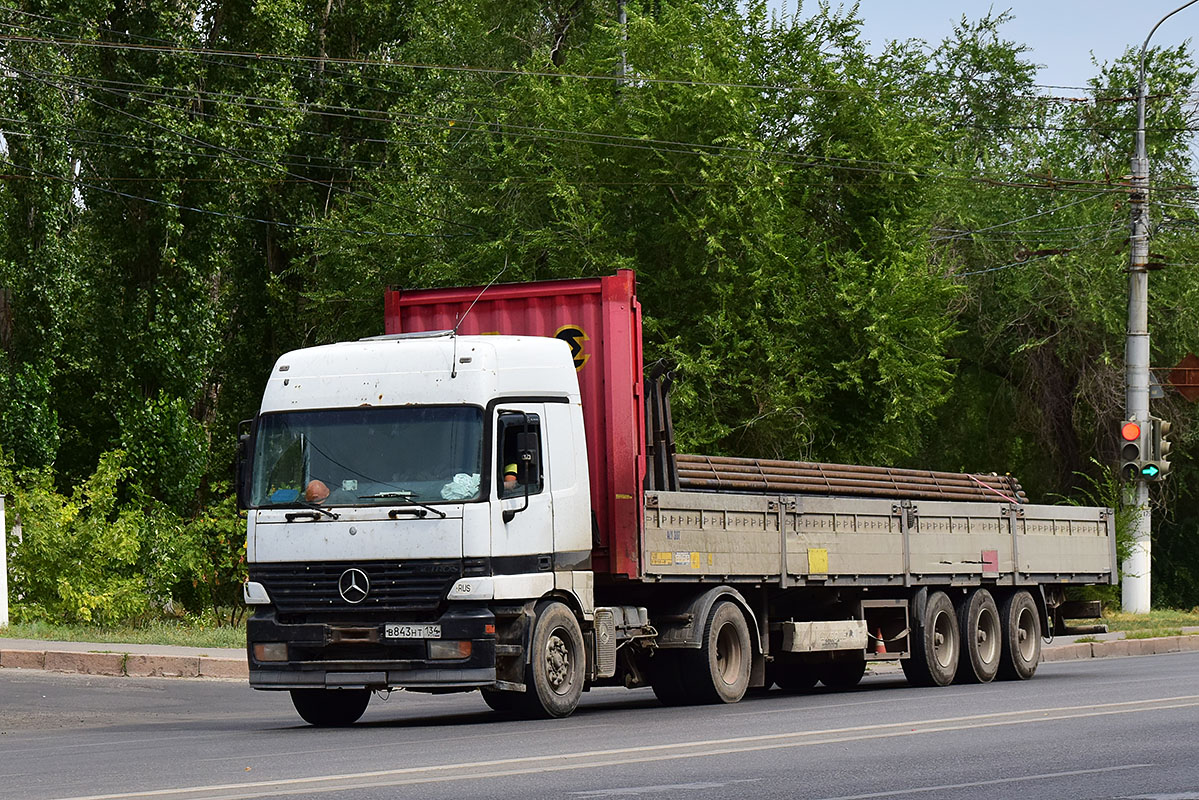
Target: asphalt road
1101,728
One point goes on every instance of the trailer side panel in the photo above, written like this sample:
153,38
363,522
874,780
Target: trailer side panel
842,541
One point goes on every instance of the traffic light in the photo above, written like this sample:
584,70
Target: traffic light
1132,450
1159,448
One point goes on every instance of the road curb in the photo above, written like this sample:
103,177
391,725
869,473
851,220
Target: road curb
1120,648
117,662
123,664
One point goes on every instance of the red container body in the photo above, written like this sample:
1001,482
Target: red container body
600,319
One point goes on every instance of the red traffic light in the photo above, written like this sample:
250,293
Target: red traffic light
1131,431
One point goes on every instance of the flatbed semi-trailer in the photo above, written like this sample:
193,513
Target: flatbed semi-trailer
488,498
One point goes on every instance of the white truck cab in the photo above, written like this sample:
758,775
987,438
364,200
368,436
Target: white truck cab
382,526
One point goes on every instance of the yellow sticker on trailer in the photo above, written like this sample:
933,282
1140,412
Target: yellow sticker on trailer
658,559
817,560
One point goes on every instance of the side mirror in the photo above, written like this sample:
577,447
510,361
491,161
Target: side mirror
244,429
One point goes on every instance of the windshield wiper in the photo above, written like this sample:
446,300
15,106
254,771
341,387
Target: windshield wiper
404,496
314,514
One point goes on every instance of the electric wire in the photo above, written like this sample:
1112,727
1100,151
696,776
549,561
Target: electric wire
175,49
1032,259
266,165
958,234
658,146
1046,212
229,215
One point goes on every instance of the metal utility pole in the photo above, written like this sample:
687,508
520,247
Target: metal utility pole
1136,581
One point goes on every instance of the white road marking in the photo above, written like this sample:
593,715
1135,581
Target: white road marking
996,782
656,791
549,728
594,759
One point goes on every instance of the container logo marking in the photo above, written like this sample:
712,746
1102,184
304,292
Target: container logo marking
574,336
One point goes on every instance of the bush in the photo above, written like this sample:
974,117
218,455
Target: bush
89,558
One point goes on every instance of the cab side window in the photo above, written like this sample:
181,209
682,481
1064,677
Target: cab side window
519,450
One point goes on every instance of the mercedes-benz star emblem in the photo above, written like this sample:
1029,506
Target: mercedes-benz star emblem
353,585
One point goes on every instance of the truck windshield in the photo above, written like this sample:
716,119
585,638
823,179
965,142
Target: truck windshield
368,456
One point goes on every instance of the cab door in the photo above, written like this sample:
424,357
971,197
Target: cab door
523,539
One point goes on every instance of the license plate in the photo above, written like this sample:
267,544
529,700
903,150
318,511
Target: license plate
396,631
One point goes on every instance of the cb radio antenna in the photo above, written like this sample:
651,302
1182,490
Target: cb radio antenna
461,319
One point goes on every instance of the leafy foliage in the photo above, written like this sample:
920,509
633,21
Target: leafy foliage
911,258
88,558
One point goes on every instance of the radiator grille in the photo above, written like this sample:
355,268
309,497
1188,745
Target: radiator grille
410,586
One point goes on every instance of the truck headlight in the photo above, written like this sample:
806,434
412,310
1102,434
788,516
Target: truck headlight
448,648
270,651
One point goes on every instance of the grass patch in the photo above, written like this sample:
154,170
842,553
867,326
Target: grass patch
181,633
1161,622
1156,620
1152,633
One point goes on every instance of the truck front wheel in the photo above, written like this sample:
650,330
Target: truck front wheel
719,671
934,659
556,671
330,708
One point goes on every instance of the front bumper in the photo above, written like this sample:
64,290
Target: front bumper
354,655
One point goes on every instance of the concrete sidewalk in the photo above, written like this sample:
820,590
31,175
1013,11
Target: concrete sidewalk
133,660
152,660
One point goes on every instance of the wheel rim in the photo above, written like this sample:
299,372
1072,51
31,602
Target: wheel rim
728,654
987,636
1026,637
944,642
559,659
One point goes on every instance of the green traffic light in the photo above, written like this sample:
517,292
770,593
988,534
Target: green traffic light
1150,471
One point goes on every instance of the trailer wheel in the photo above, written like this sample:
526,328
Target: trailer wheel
666,678
934,659
982,639
500,701
1021,624
330,708
793,677
842,675
555,675
719,671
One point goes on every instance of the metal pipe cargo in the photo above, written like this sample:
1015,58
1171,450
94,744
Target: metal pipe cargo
695,471
833,478
734,474
713,485
833,484
768,464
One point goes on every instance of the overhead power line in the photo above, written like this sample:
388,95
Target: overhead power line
795,160
267,165
1046,212
176,49
226,214
1033,259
